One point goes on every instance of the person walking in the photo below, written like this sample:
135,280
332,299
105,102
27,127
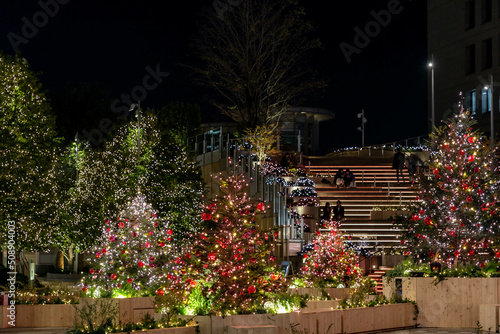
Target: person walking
398,163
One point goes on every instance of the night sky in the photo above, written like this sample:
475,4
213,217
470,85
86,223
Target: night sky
113,45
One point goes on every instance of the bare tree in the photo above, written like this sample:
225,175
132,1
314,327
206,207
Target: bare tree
255,57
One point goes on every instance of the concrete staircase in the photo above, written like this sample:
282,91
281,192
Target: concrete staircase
377,275
376,185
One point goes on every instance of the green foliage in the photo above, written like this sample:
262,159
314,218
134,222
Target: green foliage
92,318
39,295
95,317
28,191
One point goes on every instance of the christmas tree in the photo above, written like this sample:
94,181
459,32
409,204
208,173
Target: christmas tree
230,267
455,216
131,258
331,263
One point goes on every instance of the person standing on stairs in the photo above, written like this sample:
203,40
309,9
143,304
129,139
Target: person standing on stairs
327,212
338,212
398,163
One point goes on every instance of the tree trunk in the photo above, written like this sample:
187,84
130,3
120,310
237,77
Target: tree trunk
60,260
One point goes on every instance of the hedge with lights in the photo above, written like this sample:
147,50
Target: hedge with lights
455,217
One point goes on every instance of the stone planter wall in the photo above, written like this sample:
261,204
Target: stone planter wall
313,321
173,330
333,293
62,315
454,302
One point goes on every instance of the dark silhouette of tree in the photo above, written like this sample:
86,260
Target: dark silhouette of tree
254,55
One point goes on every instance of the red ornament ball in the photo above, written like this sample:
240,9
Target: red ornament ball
261,206
91,271
211,256
130,280
170,232
453,208
113,276
141,264
160,292
251,289
193,284
121,225
470,158
471,140
206,216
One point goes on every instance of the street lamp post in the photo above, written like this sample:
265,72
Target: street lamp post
433,120
492,125
362,127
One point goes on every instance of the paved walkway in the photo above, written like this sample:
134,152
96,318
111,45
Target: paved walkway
436,331
62,330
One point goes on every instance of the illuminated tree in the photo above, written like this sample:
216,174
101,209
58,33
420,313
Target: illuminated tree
262,139
155,165
134,248
27,156
230,263
455,217
331,263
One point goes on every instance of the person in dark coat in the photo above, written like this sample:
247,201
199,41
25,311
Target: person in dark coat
398,163
327,212
338,212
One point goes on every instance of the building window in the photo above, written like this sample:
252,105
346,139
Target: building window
485,100
470,59
485,11
470,101
487,54
470,14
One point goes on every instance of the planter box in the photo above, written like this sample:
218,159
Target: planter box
219,324
333,293
173,330
384,317
62,315
454,302
57,315
321,304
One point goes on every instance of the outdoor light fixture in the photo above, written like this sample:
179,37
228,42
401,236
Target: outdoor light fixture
433,117
362,127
